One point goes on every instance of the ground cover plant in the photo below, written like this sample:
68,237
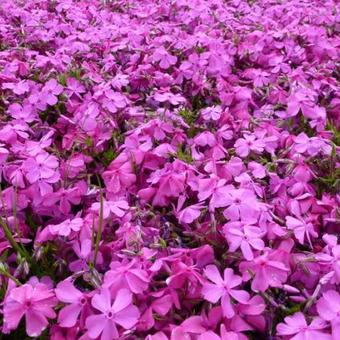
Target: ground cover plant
169,169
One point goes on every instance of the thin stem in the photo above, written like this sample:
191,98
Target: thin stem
10,276
16,224
10,238
100,228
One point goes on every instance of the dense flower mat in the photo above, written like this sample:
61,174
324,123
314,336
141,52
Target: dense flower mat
169,169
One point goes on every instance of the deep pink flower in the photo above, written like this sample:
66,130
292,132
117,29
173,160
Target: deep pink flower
297,328
247,144
67,293
50,92
164,58
267,272
224,289
35,302
328,308
121,312
246,237
66,227
126,275
301,229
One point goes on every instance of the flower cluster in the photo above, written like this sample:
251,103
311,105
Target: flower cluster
169,169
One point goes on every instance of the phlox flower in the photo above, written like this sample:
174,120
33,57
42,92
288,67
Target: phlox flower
224,289
76,300
296,328
328,308
246,237
247,144
66,227
121,312
34,302
266,272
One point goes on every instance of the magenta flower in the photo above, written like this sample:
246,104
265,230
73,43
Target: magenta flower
223,288
328,308
66,227
67,293
42,168
247,144
117,208
241,204
50,92
74,87
34,302
164,58
212,113
126,275
245,237
296,328
301,229
266,272
121,312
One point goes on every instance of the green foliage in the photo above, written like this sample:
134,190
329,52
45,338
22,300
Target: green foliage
184,155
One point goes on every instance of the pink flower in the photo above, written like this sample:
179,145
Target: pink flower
212,113
246,237
190,326
301,229
223,289
122,312
173,99
126,275
18,88
66,292
164,58
266,270
297,328
42,168
74,87
35,302
247,144
241,204
188,214
25,112
115,101
66,227
65,197
328,308
117,208
50,92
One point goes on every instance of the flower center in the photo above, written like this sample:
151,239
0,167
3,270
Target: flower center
109,315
